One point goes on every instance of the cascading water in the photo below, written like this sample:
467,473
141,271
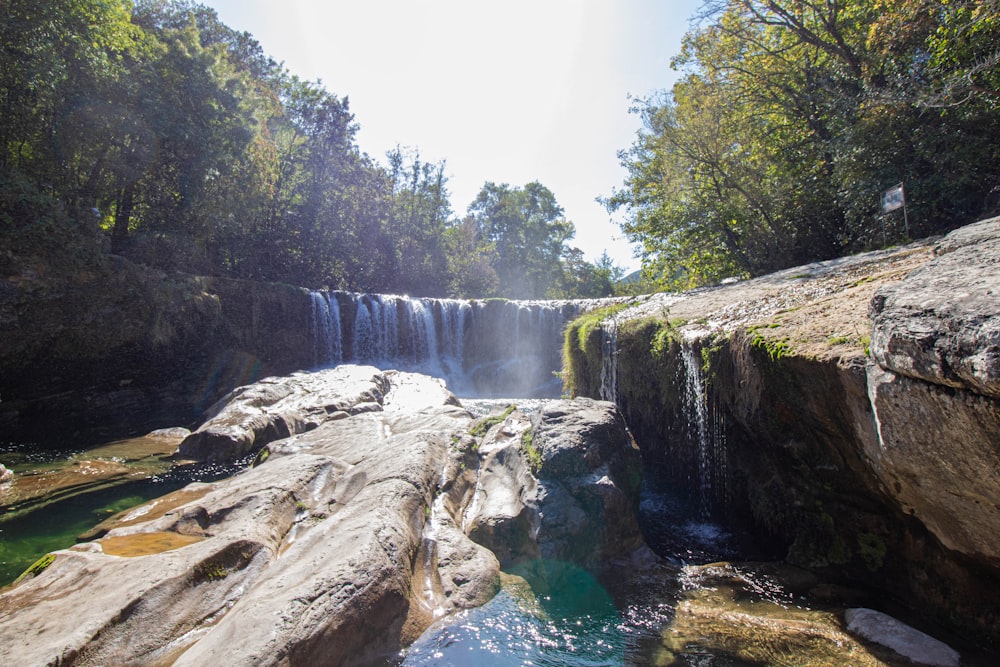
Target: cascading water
327,347
482,348
705,429
609,360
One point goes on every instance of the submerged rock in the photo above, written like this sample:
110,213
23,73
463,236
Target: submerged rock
726,610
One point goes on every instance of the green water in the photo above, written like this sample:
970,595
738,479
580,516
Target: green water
28,534
26,538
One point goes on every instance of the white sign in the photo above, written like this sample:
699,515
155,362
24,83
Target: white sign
892,198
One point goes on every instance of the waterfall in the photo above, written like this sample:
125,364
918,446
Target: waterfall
482,348
609,360
705,429
327,345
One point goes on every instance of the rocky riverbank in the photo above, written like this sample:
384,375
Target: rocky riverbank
847,408
348,536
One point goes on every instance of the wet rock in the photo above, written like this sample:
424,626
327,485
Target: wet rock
909,642
726,609
562,485
308,558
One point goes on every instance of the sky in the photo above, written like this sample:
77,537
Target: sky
509,92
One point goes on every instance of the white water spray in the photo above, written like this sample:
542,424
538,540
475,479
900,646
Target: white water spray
705,430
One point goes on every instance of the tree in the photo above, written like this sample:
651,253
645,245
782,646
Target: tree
420,215
526,230
792,115
586,280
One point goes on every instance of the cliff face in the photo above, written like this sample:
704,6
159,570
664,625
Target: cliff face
116,346
849,408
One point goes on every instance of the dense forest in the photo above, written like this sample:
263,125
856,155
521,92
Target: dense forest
151,129
792,116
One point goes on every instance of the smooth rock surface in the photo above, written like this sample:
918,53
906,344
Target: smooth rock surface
274,408
306,559
883,629
338,548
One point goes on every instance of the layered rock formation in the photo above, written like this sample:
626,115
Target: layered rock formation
878,468
114,347
341,544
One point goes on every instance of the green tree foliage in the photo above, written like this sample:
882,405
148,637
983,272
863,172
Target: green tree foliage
793,115
200,153
526,232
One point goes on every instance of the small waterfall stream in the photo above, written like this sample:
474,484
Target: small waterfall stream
609,360
705,430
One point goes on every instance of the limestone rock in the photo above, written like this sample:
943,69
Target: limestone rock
580,502
275,408
942,322
934,441
344,544
308,558
885,630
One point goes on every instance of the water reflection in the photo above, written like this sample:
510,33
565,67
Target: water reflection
554,613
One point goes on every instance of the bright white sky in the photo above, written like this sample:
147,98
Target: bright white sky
510,92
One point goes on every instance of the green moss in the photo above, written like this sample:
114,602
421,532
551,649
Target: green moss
776,348
482,427
262,455
211,571
866,342
531,451
872,550
583,353
37,567
667,337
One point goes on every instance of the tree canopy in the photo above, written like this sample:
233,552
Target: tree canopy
793,115
155,126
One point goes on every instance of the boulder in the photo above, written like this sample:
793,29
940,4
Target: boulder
942,323
882,629
251,416
562,484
